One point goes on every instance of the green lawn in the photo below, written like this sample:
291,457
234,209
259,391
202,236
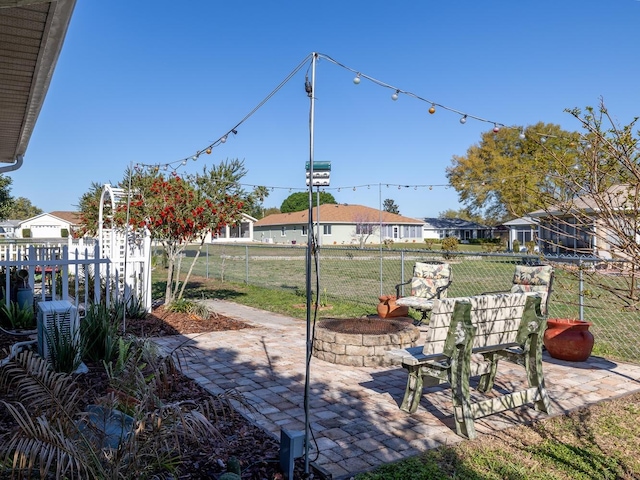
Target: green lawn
599,442
351,280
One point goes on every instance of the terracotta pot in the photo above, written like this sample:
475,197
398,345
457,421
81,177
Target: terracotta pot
568,339
387,307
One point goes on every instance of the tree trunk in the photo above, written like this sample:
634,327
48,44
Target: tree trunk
186,279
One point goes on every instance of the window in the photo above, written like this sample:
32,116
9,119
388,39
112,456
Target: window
326,229
283,231
364,229
305,230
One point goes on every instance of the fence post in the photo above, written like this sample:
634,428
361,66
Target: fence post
207,262
402,271
580,291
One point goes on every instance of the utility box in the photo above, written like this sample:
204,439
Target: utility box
291,447
61,315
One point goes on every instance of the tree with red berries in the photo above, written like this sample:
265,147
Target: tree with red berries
178,210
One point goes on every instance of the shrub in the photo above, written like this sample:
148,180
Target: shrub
449,244
99,333
516,246
17,316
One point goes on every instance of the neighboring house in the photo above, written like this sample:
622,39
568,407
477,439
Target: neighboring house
47,225
241,233
523,229
339,225
8,228
578,227
463,230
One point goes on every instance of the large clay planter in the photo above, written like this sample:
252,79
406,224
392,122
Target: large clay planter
387,307
568,339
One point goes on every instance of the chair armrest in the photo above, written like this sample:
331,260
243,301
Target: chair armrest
441,289
398,287
496,292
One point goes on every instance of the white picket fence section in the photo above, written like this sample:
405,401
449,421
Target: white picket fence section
49,269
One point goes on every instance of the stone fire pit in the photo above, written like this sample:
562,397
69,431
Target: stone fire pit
362,342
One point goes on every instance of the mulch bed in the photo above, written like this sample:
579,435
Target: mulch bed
256,450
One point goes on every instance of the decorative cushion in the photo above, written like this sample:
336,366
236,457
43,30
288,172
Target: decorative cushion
428,277
527,275
533,279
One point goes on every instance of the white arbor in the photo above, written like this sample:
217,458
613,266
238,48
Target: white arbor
128,249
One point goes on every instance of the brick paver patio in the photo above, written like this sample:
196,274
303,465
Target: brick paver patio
354,411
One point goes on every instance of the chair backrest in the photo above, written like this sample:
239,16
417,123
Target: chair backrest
429,279
534,278
497,319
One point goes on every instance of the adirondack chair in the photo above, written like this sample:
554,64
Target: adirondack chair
429,282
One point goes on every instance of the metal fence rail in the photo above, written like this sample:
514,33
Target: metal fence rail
585,288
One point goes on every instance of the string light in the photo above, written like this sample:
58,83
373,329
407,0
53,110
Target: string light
356,80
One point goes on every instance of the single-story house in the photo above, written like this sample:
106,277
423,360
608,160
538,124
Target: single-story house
8,228
339,225
523,229
587,224
463,230
54,225
240,233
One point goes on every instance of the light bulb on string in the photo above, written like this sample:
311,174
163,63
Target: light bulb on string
543,139
208,151
394,97
194,158
356,80
184,162
522,135
496,128
223,139
354,189
463,120
432,109
430,187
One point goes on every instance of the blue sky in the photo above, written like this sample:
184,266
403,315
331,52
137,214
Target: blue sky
155,82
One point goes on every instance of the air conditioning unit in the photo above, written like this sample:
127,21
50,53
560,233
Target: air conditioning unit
60,314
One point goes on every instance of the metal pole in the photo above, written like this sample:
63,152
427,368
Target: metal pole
318,237
311,92
380,206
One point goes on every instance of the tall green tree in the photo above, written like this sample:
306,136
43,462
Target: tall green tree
390,206
22,208
6,201
299,201
89,210
510,173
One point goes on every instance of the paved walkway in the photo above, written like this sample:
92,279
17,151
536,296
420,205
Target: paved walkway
354,411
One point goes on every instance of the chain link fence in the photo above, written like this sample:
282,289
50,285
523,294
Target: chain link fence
585,288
